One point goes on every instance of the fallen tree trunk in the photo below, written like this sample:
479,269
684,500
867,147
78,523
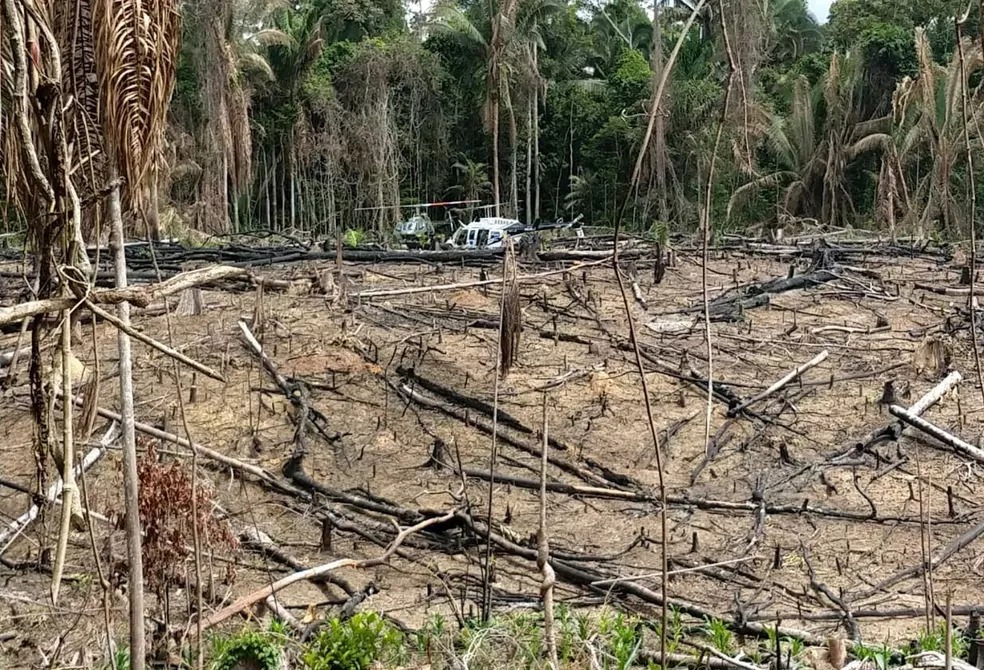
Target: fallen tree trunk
952,441
730,307
139,296
779,385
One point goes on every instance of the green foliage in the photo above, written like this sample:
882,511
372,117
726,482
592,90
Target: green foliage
879,655
888,49
720,635
621,638
353,237
630,82
353,644
120,660
935,640
250,648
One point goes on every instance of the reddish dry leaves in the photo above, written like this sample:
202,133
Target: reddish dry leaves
168,520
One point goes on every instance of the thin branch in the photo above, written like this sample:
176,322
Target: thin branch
154,344
138,296
782,383
543,554
318,571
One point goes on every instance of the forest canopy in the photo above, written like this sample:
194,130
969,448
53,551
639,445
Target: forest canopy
320,115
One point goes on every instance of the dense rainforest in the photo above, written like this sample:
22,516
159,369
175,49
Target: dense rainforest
324,114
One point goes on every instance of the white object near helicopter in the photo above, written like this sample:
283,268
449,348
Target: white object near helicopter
490,232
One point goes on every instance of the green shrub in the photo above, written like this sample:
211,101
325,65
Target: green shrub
353,237
353,644
249,649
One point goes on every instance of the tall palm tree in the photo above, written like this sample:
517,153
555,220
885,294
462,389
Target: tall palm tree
931,125
814,144
473,179
532,18
237,34
490,34
791,30
292,54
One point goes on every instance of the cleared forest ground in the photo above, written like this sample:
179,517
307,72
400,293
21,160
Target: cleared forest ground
782,516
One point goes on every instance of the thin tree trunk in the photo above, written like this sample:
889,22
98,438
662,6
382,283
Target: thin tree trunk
291,176
495,152
131,482
529,161
225,193
301,210
513,161
267,191
235,209
536,135
154,211
659,131
276,189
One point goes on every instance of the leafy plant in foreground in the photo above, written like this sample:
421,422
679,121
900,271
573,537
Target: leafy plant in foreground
353,644
253,649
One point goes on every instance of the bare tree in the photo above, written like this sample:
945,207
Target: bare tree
136,52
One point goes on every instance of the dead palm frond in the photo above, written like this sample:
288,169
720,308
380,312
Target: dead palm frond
136,50
930,126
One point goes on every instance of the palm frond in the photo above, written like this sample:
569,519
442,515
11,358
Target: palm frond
273,37
875,141
254,62
450,20
136,49
746,191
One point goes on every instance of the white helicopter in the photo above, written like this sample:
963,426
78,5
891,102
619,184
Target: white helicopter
490,232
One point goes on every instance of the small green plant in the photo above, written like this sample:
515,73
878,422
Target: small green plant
935,640
353,237
432,633
880,655
353,644
251,648
720,635
660,233
622,637
120,660
795,646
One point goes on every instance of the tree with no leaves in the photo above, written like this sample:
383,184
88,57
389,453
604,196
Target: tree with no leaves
136,48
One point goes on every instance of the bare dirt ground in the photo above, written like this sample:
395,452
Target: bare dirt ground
788,452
